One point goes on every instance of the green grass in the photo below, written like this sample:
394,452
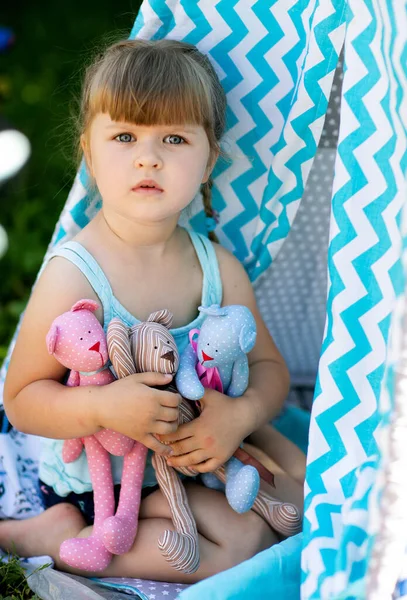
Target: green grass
40,78
13,583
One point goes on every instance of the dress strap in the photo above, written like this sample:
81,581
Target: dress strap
212,284
81,258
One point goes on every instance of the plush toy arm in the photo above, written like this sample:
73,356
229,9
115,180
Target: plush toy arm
240,377
187,379
73,379
71,450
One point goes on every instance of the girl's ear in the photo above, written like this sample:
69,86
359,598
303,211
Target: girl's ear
213,157
86,153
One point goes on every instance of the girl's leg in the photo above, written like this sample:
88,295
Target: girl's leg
225,537
286,454
43,534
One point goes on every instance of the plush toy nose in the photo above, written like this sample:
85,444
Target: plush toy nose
206,357
95,347
169,355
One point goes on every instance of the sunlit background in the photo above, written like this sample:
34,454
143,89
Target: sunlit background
44,46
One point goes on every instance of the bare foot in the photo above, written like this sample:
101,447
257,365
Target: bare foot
43,534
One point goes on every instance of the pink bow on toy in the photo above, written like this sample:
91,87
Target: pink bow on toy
208,376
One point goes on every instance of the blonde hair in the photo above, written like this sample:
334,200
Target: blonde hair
157,82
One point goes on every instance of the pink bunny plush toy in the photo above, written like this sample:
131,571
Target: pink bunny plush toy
77,340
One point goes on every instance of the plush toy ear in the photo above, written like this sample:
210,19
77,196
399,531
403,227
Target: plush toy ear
247,338
51,338
164,317
85,305
215,310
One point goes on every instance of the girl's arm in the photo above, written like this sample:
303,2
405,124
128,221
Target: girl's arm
37,402
269,380
34,399
210,440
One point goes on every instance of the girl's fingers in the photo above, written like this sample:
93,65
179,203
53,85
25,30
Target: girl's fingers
163,428
152,379
167,414
207,466
184,446
151,442
169,399
188,460
184,431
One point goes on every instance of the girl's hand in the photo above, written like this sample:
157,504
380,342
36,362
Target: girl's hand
131,406
209,441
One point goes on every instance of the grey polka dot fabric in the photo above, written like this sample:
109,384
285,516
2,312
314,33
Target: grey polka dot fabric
50,584
144,589
292,294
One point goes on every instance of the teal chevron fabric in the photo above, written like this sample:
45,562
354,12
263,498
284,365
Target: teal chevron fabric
273,573
354,396
276,60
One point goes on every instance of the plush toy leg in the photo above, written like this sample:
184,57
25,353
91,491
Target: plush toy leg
211,481
283,517
180,547
90,554
242,485
119,531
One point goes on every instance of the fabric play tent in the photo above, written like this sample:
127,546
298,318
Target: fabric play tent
343,180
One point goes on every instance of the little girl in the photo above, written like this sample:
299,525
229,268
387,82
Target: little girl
152,115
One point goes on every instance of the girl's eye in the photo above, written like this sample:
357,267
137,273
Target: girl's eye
124,137
174,139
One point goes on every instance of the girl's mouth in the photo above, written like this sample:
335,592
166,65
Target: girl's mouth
147,191
147,186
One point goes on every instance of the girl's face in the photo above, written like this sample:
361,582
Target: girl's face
146,173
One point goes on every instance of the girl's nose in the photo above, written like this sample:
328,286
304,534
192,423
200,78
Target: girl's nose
148,158
145,163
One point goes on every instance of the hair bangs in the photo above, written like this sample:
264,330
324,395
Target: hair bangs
152,88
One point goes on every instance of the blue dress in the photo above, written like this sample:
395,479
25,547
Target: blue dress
74,477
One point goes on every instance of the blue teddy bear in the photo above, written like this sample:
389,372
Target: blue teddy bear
219,360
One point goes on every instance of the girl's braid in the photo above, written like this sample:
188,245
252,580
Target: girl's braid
209,212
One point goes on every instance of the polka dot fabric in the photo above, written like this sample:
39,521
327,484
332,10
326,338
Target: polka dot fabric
291,295
77,341
242,485
226,335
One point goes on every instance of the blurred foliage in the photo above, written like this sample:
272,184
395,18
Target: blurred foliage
40,79
13,580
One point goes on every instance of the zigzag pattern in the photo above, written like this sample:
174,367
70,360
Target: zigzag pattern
390,526
364,263
300,136
276,59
